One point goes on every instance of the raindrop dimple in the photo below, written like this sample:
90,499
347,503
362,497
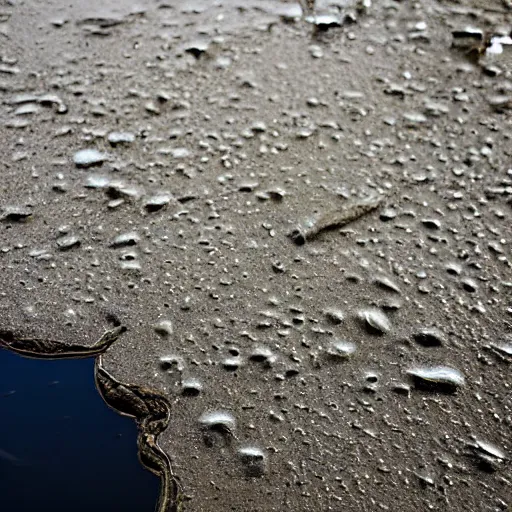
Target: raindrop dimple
254,460
191,387
219,428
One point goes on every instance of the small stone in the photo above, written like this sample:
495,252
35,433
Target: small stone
191,387
277,194
130,266
128,256
262,354
157,202
27,109
469,285
16,214
218,420
259,127
341,349
386,284
163,328
487,456
430,337
180,153
500,103
431,223
169,363
467,37
232,364
375,320
490,449
115,203
324,21
401,388
197,47
414,118
387,214
487,463
316,51
304,133
152,108
89,158
503,348
254,460
335,316
58,22
436,109
390,304
117,138
120,190
437,378
248,186
453,268
48,100
291,372
495,101
96,181
125,239
66,243
278,267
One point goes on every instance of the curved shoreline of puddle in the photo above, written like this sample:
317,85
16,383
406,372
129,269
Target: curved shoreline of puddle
150,410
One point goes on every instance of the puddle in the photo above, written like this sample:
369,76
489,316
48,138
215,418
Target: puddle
61,446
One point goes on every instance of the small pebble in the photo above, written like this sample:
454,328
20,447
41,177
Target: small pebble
375,320
89,158
437,378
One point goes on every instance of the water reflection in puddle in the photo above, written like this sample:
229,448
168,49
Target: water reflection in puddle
61,447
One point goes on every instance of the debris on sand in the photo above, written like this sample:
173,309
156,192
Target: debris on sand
335,219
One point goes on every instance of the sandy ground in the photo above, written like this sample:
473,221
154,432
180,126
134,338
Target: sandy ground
367,369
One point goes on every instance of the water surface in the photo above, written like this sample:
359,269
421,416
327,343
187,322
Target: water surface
61,447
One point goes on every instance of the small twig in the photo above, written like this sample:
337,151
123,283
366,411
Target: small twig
335,219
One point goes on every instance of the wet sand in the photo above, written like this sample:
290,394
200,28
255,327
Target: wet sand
367,368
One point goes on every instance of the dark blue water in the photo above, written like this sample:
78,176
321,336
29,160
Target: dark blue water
62,448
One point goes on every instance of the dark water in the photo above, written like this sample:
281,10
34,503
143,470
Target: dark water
61,447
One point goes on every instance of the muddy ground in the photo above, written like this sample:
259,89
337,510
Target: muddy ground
365,369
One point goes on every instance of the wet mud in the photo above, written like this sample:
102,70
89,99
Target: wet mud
302,214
